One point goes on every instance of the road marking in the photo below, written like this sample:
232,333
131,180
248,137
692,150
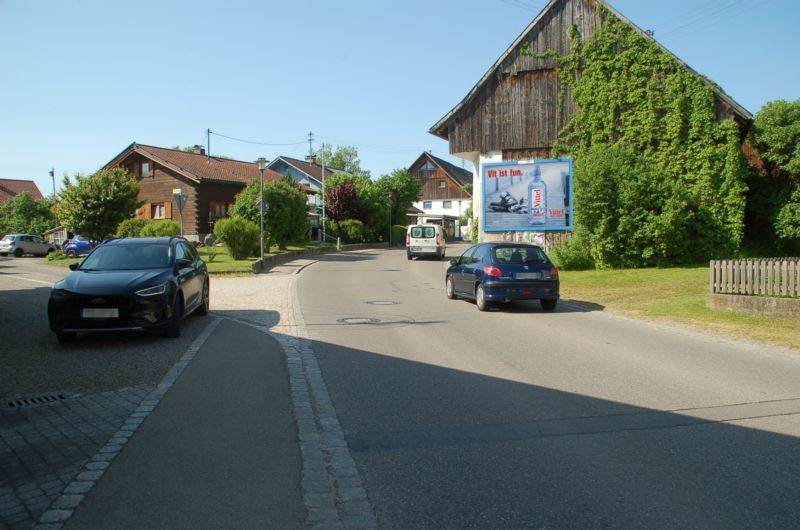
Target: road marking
32,280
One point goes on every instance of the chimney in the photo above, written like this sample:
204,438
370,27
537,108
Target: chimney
198,150
311,159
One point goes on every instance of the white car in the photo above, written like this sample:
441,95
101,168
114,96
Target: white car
425,240
19,244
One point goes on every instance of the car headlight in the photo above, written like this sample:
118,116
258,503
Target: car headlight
153,291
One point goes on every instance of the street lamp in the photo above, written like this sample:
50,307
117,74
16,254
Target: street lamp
262,165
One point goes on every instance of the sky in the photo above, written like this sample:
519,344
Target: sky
81,80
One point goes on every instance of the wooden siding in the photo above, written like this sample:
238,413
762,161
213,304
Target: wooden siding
156,188
517,109
431,191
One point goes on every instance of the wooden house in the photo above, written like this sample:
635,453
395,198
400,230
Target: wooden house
513,112
445,194
209,184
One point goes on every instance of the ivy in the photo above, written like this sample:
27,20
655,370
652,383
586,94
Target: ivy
681,195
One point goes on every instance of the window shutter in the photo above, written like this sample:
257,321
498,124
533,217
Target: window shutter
148,211
168,210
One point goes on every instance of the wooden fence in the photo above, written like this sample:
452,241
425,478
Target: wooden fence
779,277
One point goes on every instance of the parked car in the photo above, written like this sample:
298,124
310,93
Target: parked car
78,246
425,240
20,244
131,284
503,272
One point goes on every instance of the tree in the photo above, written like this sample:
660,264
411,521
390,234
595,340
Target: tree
95,205
341,201
24,214
775,194
286,218
402,189
344,157
372,209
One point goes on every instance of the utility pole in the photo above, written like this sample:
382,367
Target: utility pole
53,176
324,240
310,143
208,143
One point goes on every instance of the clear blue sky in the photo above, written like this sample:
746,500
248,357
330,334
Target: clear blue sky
81,80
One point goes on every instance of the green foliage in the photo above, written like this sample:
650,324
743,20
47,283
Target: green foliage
24,214
573,254
345,157
95,205
658,178
775,194
776,136
398,235
240,235
402,189
286,217
373,204
167,227
476,226
131,227
349,230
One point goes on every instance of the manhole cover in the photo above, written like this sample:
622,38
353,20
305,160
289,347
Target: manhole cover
383,302
358,320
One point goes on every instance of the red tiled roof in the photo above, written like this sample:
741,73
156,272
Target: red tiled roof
11,187
199,167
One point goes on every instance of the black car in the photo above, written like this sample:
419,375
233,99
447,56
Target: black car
131,284
503,272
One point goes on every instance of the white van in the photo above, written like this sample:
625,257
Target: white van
425,241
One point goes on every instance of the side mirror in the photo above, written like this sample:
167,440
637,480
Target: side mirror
73,266
183,262
453,261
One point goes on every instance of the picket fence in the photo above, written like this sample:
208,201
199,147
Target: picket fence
779,277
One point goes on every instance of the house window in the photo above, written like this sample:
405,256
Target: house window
217,209
447,205
442,184
145,169
427,205
158,210
427,167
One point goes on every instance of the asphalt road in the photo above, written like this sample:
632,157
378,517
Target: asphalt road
35,364
521,418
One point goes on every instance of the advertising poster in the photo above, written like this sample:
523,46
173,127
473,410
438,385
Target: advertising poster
528,196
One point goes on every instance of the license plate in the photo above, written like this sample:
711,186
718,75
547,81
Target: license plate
100,312
529,275
416,249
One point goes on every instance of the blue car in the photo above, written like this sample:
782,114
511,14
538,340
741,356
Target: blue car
503,272
78,246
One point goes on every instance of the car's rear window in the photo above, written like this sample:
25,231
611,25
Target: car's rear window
423,231
519,255
128,257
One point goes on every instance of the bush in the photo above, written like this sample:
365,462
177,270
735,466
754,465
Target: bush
131,227
160,228
351,230
398,235
572,254
239,235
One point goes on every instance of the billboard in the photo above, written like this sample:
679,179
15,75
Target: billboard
527,196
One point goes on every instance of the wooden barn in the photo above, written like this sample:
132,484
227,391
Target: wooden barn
518,108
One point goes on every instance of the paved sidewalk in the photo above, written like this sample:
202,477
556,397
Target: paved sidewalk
240,433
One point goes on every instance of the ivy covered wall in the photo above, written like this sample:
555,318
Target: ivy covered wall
659,177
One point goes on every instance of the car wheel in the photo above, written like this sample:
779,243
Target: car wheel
70,253
408,256
49,251
66,336
480,299
4,254
205,303
18,252
548,305
449,289
174,327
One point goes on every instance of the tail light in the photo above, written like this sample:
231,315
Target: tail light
553,273
408,239
438,241
494,272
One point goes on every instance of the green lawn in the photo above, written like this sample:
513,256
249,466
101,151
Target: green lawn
673,295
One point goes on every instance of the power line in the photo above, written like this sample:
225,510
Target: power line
254,142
